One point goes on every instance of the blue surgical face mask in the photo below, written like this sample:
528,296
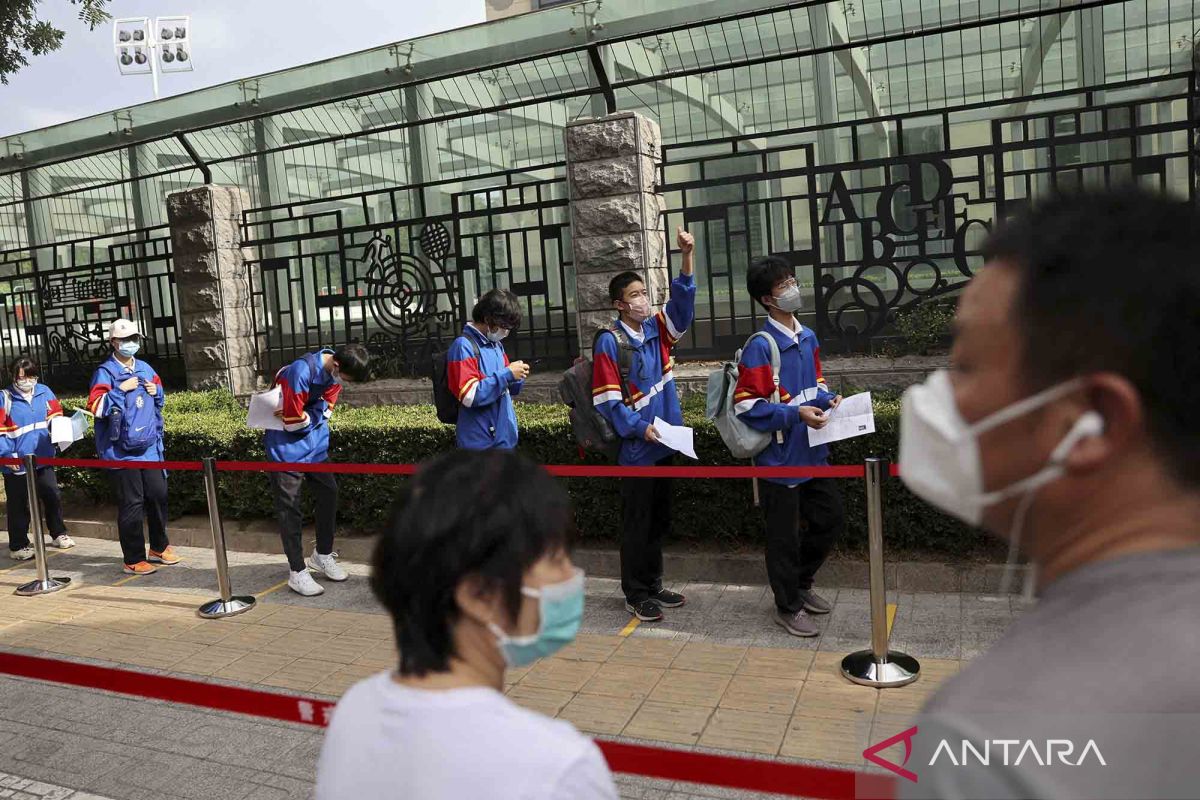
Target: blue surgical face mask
560,607
129,349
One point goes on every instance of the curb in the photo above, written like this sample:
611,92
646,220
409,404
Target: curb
746,569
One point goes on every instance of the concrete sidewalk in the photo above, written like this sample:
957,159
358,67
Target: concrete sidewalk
717,675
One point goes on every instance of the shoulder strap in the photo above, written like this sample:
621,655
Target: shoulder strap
624,355
7,403
775,367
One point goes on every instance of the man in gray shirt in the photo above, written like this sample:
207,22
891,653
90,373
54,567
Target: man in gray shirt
1072,414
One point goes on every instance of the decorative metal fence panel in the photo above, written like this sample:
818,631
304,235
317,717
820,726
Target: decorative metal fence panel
56,303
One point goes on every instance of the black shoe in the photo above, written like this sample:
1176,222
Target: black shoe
646,611
668,599
814,603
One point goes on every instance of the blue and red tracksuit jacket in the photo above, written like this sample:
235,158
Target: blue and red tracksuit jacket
309,395
106,398
484,388
800,384
26,427
651,382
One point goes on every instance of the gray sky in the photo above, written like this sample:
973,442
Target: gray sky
81,79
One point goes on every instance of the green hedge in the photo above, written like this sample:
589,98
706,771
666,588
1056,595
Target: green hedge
717,512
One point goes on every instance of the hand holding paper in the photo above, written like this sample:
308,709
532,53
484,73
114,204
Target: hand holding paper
262,410
854,416
676,437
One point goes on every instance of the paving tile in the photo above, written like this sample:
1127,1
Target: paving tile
745,730
344,649
208,660
337,622
707,657
764,695
836,702
623,681
545,701
606,716
554,673
252,637
647,652
336,684
301,675
293,617
668,722
840,741
208,632
589,647
253,667
382,656
685,687
298,643
768,662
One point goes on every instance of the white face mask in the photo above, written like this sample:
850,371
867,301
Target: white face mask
497,335
939,451
790,301
25,385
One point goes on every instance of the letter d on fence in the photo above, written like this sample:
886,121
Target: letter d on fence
227,605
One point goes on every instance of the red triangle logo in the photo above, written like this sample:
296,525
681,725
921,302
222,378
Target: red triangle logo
872,753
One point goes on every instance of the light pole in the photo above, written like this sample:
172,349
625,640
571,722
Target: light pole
143,47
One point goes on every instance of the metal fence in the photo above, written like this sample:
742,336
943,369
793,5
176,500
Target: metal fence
56,303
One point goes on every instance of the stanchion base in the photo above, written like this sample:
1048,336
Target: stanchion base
215,609
42,587
898,670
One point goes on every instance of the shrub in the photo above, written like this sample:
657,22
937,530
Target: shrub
713,512
923,328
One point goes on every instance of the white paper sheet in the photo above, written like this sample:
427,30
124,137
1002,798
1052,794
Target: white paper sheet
676,437
854,416
262,410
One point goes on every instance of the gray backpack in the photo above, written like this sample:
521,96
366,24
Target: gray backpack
742,440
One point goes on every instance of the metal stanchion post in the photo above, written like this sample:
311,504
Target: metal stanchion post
227,605
879,666
44,583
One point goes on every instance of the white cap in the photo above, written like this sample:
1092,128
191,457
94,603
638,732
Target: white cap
122,329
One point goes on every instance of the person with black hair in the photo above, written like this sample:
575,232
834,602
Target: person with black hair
481,376
1069,413
630,403
794,551
311,387
475,571
28,407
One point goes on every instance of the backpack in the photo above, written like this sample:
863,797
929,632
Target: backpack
444,401
742,440
592,431
138,425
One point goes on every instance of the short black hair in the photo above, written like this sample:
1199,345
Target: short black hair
492,514
762,275
1109,281
500,306
618,285
26,362
354,361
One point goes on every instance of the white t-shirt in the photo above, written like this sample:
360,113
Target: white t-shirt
392,742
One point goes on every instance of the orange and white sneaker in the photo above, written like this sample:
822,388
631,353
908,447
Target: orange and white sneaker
140,568
167,557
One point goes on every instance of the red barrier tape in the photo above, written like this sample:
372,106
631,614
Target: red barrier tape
796,780
561,470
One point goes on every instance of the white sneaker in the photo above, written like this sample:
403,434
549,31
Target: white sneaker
62,542
302,583
24,554
327,565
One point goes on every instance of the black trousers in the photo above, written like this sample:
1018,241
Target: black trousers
17,491
141,500
646,519
794,555
286,486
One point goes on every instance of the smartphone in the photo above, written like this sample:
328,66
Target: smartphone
536,361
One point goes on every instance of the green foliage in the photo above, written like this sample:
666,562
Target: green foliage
710,512
22,34
922,328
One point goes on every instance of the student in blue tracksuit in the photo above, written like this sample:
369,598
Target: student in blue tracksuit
122,387
482,378
804,400
28,407
311,386
646,502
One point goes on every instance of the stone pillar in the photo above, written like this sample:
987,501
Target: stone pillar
616,212
212,283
